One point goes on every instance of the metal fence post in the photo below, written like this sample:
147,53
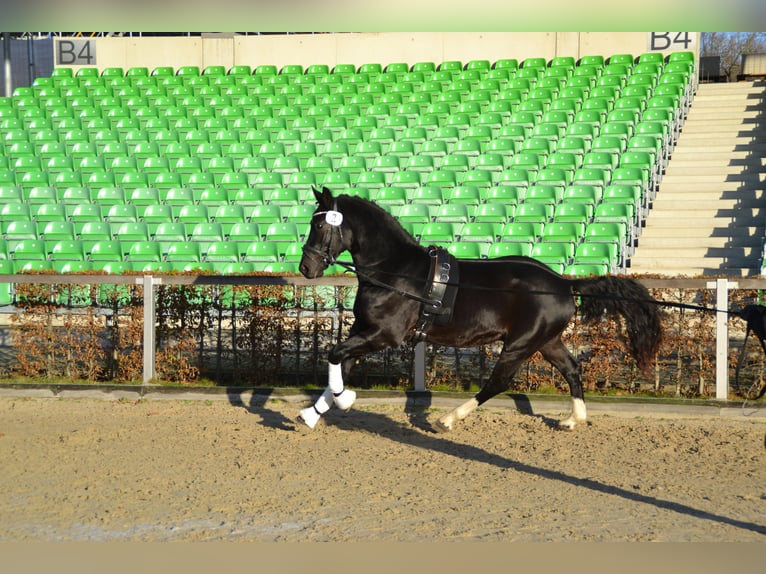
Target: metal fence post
149,282
722,286
420,366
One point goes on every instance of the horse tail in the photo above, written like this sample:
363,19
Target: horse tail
614,295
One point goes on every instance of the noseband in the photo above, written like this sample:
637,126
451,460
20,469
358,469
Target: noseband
334,218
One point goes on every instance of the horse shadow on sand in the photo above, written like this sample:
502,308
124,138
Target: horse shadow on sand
422,434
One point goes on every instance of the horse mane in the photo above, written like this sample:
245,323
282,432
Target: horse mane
351,205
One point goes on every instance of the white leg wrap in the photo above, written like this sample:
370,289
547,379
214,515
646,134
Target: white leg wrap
335,378
310,415
344,398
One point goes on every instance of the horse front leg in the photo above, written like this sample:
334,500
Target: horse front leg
340,360
335,392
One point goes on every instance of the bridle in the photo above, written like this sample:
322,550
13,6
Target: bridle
334,219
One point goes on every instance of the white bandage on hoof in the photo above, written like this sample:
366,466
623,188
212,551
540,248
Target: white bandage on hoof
311,415
345,400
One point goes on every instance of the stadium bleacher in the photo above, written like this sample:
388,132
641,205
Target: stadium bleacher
189,168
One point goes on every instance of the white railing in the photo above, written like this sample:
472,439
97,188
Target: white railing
721,286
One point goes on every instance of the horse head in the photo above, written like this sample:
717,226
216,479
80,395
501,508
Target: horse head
326,239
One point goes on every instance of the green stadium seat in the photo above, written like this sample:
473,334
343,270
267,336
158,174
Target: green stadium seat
452,212
85,212
244,233
46,212
32,266
222,252
479,231
40,194
494,212
425,195
586,269
622,193
206,232
66,250
570,211
193,213
469,250
509,249
598,253
143,251
533,212
28,250
10,194
553,253
183,251
614,211
261,251
279,231
607,231
92,231
109,196
563,232
57,230
438,233
130,231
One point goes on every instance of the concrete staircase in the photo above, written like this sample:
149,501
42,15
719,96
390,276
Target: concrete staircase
709,215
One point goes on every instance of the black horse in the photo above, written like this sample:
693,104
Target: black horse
516,300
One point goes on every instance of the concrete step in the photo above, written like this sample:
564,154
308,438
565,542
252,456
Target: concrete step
657,240
709,215
742,161
704,222
706,203
714,148
753,170
746,254
723,187
670,228
667,270
671,261
747,119
711,175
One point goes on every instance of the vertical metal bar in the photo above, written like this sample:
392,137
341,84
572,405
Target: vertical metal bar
420,366
7,63
149,323
722,286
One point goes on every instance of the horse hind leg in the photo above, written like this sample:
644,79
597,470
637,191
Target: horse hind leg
557,355
498,382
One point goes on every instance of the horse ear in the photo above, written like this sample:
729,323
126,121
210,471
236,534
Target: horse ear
317,194
327,196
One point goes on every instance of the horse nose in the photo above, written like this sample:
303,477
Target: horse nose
306,270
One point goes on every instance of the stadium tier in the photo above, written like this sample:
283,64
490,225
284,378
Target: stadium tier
189,168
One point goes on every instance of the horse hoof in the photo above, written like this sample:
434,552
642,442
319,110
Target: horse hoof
309,416
345,400
566,425
441,427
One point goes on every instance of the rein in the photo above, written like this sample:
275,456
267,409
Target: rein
360,271
377,283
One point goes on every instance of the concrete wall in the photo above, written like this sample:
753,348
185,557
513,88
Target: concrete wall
358,48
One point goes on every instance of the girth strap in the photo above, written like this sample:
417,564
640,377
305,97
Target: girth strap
441,291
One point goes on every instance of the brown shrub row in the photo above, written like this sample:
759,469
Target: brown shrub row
264,335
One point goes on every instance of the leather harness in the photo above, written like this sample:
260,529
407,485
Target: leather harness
440,292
